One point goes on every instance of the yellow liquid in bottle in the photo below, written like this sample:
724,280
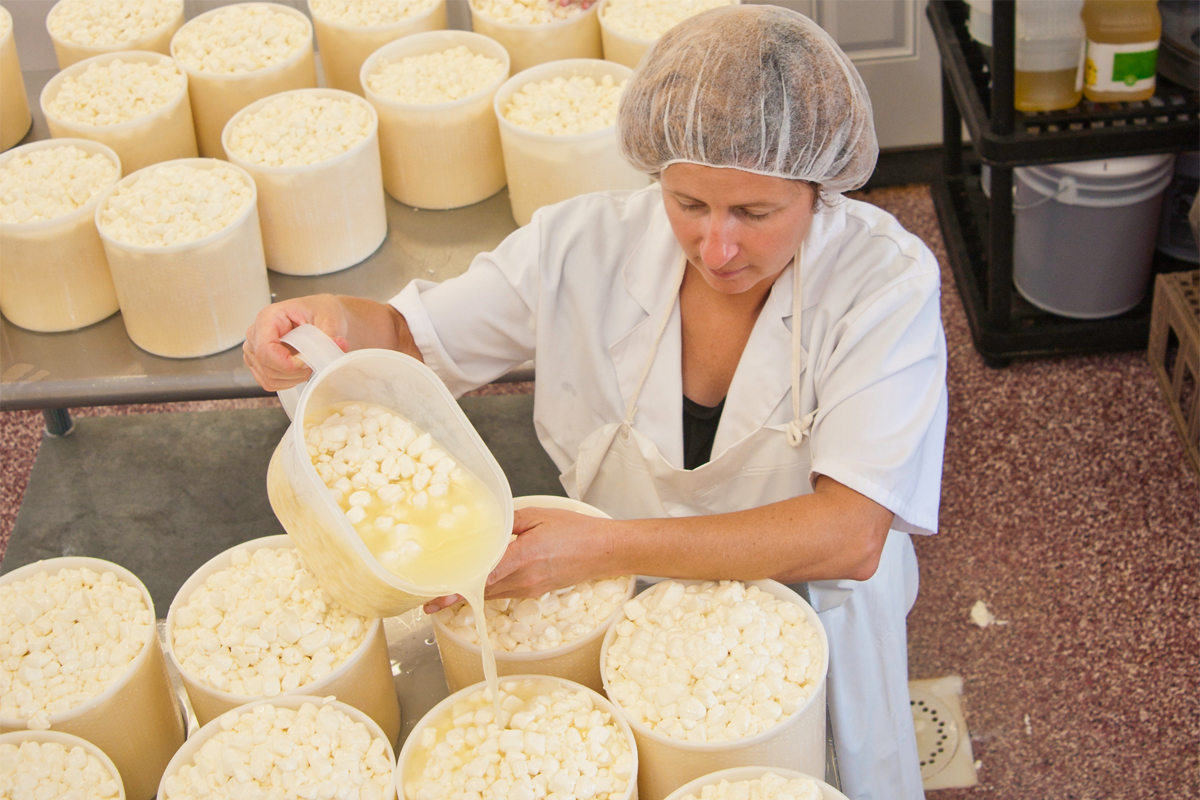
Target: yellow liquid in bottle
1045,91
1119,22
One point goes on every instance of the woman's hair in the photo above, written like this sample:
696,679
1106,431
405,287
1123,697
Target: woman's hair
757,88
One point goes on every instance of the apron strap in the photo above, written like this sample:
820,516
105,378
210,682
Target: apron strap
631,411
798,428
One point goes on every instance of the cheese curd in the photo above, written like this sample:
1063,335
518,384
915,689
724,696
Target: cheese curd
547,742
564,106
116,92
769,787
650,19
711,662
64,639
540,623
110,22
270,752
367,13
525,12
50,182
300,128
263,626
174,203
6,23
435,77
240,38
33,770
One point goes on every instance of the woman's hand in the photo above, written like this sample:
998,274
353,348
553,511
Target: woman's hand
271,362
553,549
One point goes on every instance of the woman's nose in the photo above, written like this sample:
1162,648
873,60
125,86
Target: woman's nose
719,245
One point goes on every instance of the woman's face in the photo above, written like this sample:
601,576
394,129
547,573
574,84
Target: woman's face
737,228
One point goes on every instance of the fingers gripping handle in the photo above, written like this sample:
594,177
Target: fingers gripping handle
315,349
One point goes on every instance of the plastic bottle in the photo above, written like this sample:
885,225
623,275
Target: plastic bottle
1049,55
1122,49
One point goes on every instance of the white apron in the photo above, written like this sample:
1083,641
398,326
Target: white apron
622,472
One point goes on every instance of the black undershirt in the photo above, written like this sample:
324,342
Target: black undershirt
699,431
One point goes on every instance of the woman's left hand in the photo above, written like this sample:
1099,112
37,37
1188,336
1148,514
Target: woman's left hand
553,549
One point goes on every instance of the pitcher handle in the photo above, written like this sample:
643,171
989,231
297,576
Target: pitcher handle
315,349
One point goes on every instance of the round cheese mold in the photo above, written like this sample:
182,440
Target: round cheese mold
565,105
185,250
36,764
538,31
40,184
134,102
756,783
348,31
298,129
81,655
558,133
309,151
437,77
550,738
175,203
628,28
368,13
16,119
240,53
79,626
294,747
438,135
253,623
56,277
714,675
81,29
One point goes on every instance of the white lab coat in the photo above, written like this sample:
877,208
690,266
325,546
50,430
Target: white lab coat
576,291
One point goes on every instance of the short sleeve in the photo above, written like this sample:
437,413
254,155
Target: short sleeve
880,427
473,328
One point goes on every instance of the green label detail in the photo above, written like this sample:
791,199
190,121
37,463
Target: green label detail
1129,68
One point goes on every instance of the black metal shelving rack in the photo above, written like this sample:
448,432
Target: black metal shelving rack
978,228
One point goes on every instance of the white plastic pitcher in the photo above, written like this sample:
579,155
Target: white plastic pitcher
325,538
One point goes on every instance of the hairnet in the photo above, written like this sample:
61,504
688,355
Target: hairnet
754,87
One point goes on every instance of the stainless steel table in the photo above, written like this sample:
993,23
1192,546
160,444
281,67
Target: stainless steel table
100,365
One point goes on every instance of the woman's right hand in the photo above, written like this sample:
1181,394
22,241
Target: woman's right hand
274,365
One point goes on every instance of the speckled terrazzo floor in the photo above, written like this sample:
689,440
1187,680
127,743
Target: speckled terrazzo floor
1070,509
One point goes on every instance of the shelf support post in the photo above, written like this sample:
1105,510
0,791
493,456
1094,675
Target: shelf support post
952,160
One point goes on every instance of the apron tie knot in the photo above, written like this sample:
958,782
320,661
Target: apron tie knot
797,429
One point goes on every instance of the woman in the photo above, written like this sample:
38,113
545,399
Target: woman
744,369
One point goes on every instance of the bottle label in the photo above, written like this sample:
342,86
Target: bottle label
1121,67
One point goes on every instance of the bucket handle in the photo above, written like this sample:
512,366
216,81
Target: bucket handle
1068,192
316,350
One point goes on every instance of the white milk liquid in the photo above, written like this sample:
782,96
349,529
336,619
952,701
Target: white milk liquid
453,532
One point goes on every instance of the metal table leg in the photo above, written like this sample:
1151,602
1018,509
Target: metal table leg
58,421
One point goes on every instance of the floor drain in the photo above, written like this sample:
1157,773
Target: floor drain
937,732
943,743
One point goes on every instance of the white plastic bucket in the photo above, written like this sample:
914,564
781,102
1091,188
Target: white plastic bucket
300,235
197,741
1085,233
156,41
330,546
445,708
544,169
750,774
16,119
576,36
136,721
577,661
363,680
70,743
56,275
345,47
439,155
795,742
164,134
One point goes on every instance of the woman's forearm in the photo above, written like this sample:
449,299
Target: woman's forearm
831,534
373,324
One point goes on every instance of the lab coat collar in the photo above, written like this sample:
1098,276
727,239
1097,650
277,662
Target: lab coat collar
760,382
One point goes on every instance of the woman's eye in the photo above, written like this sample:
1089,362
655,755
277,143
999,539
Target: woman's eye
752,215
690,206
